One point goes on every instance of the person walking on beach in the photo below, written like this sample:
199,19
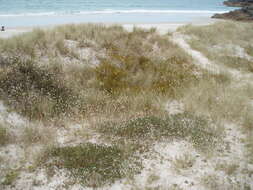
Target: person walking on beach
2,28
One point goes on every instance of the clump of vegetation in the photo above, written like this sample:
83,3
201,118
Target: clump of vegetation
34,91
184,162
135,64
4,136
229,169
10,177
181,126
211,182
36,134
94,165
140,74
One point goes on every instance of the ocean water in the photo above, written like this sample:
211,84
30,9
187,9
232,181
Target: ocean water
45,12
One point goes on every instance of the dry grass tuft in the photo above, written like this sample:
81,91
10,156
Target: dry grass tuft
220,101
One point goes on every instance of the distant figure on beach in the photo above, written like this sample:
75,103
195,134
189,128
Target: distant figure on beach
2,28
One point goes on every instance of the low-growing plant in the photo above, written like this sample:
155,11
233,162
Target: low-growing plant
229,169
94,165
152,178
181,126
34,91
184,162
211,182
10,177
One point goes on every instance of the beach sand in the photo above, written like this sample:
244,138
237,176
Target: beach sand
14,31
162,28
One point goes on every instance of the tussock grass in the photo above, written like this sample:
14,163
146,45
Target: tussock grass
221,42
197,130
94,165
140,73
26,45
220,101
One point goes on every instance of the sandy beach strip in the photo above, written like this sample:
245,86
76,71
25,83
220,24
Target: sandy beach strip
162,28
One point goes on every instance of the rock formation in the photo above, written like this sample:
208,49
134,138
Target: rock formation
243,14
238,3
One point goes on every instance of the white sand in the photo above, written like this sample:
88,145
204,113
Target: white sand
163,28
14,31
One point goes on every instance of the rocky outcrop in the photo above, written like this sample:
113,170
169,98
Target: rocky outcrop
238,3
243,14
